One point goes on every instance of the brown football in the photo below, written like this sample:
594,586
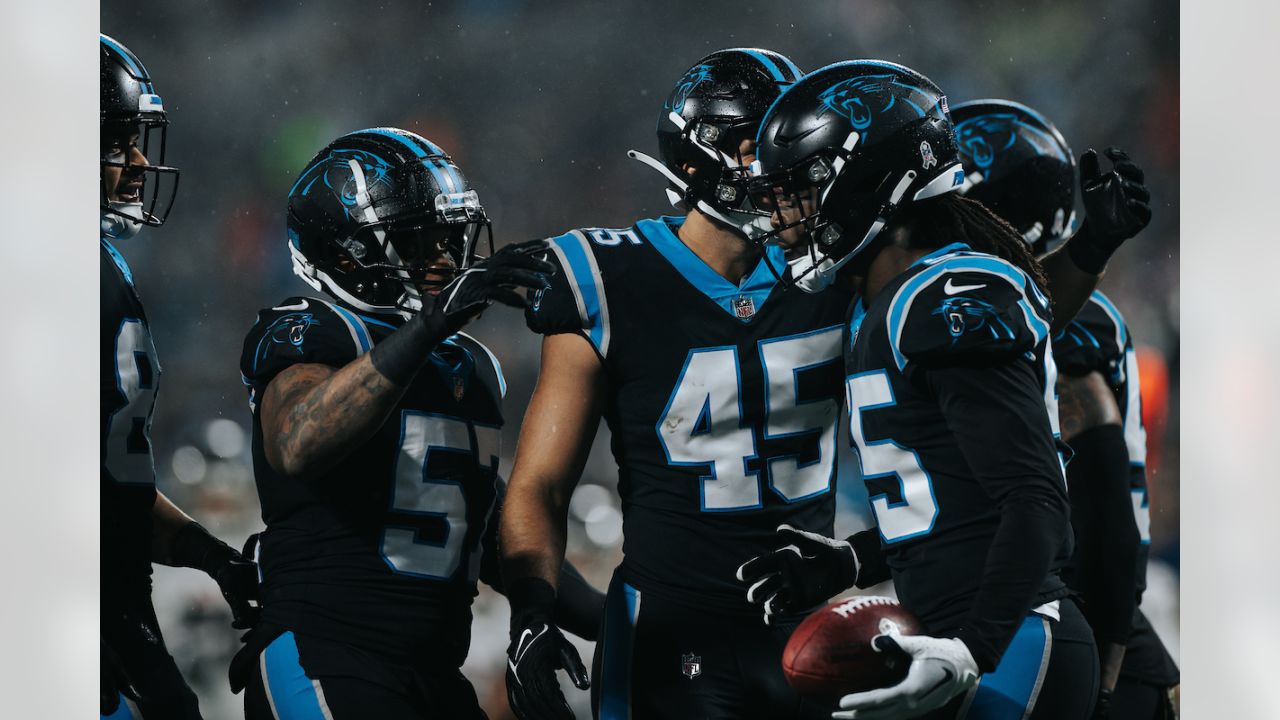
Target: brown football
830,654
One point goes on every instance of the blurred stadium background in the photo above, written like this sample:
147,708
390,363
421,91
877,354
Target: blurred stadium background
538,102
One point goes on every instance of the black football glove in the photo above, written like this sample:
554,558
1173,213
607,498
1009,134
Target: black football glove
1116,205
537,650
495,278
807,569
237,576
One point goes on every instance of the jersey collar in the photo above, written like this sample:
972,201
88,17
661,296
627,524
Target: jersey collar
944,250
743,301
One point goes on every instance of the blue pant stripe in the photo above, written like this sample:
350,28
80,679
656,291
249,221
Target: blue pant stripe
123,712
292,695
622,607
1010,692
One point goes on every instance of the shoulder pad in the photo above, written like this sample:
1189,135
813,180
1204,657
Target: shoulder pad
576,300
966,307
301,330
488,369
1095,339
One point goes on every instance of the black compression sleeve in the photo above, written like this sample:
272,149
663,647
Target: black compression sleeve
579,606
1107,540
872,568
998,417
405,351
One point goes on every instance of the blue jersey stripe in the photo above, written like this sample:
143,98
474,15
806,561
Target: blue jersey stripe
1122,332
118,259
291,693
575,256
758,286
358,330
1010,692
622,609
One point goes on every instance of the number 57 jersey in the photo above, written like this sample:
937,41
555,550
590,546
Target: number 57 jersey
722,401
383,548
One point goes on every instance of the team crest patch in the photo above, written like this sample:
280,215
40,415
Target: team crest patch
744,306
927,160
691,665
459,388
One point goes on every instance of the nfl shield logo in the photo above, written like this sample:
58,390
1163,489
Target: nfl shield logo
744,306
458,388
691,665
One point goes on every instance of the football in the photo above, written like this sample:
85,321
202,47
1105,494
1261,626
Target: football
830,653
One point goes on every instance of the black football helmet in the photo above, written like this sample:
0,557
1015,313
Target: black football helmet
369,213
842,150
715,105
129,104
1018,165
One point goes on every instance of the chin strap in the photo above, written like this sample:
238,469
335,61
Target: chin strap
122,221
749,224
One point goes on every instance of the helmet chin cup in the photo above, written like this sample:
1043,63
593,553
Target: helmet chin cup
122,221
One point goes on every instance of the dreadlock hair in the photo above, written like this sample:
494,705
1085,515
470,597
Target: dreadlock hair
955,218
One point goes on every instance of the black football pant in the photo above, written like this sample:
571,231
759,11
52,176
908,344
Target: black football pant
658,659
132,641
1146,678
304,678
1049,672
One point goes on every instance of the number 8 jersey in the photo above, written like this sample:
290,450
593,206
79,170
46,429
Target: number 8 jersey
383,550
722,402
130,377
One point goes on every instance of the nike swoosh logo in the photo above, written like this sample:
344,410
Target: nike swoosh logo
785,140
300,306
951,289
522,647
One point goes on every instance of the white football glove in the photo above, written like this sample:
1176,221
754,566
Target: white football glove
941,668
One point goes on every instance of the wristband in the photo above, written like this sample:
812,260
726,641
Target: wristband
405,351
1087,253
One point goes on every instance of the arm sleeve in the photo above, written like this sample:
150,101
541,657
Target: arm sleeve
1022,475
1107,539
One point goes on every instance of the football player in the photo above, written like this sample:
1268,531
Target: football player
721,391
139,524
717,387
949,387
1019,165
376,440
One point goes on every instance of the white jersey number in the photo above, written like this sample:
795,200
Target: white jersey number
703,425
128,434
416,493
916,511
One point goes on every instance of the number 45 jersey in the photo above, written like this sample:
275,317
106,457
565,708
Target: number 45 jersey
383,549
955,326
722,402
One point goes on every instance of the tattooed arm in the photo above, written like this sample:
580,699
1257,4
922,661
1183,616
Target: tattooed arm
314,415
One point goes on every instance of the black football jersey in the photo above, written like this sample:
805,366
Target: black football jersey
384,549
1098,340
723,401
936,507
129,377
